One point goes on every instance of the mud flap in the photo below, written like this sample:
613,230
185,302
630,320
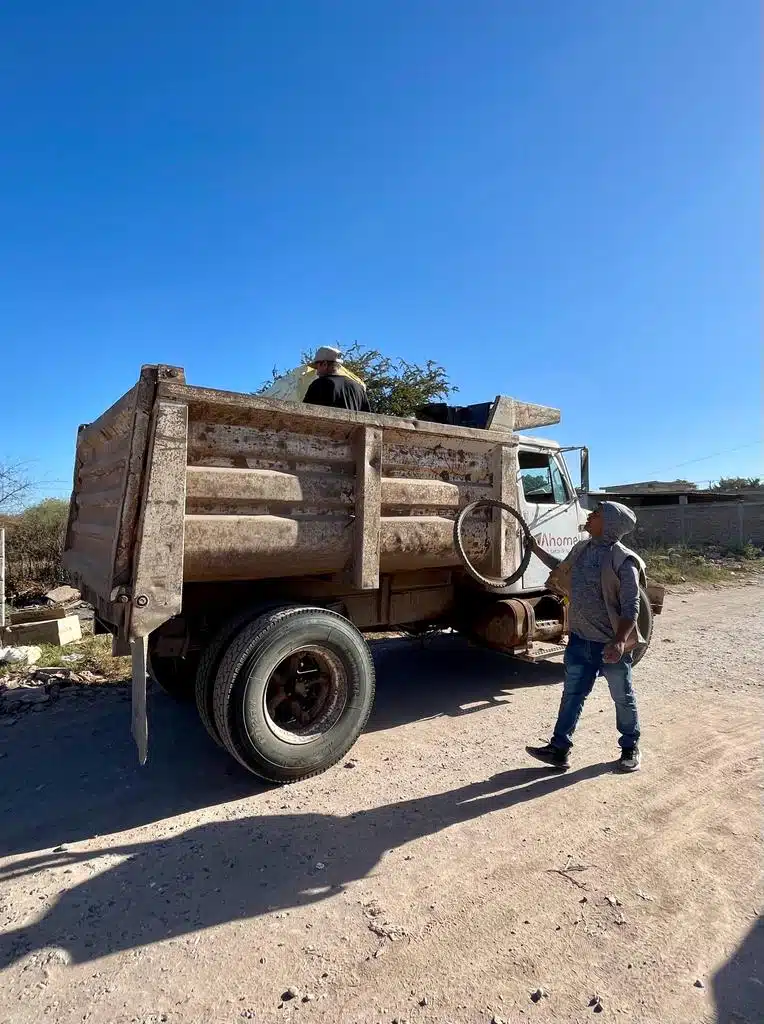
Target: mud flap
140,725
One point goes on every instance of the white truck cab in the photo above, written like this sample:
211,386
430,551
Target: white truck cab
549,503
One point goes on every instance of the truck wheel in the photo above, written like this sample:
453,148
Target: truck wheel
174,675
645,622
205,675
209,663
293,692
491,583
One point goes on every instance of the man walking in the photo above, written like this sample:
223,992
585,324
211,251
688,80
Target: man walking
604,604
334,389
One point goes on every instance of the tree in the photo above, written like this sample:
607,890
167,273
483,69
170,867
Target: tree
35,543
737,483
15,486
535,483
394,387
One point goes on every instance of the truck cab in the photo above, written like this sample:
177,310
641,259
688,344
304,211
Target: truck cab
549,503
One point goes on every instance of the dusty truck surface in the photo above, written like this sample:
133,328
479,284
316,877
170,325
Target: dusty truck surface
239,547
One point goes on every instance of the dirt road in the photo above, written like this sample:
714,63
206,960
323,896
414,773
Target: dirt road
437,877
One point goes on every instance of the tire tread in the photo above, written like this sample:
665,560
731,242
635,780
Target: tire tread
210,662
244,648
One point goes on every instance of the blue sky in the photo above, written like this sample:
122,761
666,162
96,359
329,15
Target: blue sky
559,200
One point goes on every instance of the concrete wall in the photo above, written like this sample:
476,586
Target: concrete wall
731,523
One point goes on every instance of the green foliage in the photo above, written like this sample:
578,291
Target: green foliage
709,564
535,483
748,552
680,565
394,387
397,387
34,543
737,483
94,656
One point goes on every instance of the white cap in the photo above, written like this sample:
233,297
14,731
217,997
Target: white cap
327,354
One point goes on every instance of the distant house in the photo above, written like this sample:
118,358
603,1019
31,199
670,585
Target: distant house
655,492
679,513
648,486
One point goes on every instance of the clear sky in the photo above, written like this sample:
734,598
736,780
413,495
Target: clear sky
557,199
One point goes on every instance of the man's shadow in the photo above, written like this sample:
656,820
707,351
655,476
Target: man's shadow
236,870
738,986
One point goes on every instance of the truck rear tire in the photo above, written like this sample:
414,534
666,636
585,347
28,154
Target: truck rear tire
209,663
293,692
175,675
204,686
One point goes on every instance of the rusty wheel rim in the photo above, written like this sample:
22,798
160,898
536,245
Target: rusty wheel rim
491,582
305,695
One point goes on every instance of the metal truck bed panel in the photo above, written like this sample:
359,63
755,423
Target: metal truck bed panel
103,514
179,484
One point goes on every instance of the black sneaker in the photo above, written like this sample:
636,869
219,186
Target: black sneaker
551,755
629,760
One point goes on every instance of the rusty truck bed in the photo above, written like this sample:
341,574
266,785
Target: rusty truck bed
176,485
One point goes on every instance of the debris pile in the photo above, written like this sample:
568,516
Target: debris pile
20,655
86,669
52,618
42,688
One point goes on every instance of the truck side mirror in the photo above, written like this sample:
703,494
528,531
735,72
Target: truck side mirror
584,471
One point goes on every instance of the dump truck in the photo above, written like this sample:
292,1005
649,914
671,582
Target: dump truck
239,548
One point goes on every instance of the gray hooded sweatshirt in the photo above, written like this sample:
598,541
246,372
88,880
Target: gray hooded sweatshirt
592,611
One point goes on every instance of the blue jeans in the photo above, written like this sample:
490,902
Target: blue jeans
583,663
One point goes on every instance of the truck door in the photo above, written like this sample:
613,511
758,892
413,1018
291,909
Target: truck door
549,506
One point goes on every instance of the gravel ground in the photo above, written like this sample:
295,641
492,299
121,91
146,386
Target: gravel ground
436,876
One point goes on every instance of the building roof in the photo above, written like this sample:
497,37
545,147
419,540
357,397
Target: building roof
648,486
659,497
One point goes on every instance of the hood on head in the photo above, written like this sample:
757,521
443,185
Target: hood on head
618,519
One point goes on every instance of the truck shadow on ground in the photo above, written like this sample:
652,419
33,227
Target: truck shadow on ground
738,986
443,675
69,773
242,869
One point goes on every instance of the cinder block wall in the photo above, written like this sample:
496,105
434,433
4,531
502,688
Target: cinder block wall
731,523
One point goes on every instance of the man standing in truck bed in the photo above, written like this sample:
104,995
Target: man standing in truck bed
604,605
334,389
